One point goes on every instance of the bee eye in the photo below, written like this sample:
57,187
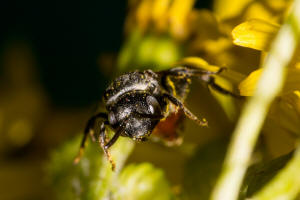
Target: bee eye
153,105
112,118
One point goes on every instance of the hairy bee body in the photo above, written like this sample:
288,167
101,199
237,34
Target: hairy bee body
137,101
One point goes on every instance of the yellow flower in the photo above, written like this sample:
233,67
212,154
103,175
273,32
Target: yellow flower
161,16
282,123
243,10
214,39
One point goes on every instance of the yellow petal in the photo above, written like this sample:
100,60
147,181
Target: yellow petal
229,8
255,33
159,13
143,13
248,85
198,63
259,10
177,16
279,5
284,112
292,82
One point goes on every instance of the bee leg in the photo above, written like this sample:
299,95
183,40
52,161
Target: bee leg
211,82
187,71
89,130
105,147
186,111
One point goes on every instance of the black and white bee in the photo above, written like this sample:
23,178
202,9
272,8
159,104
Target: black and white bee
137,101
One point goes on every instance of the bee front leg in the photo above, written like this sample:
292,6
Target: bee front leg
89,130
186,111
104,146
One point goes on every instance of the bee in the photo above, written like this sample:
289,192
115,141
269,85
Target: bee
136,102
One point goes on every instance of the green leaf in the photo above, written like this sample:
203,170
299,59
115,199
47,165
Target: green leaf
259,175
92,178
143,182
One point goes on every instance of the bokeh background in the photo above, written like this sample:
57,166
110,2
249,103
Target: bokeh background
51,77
56,59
